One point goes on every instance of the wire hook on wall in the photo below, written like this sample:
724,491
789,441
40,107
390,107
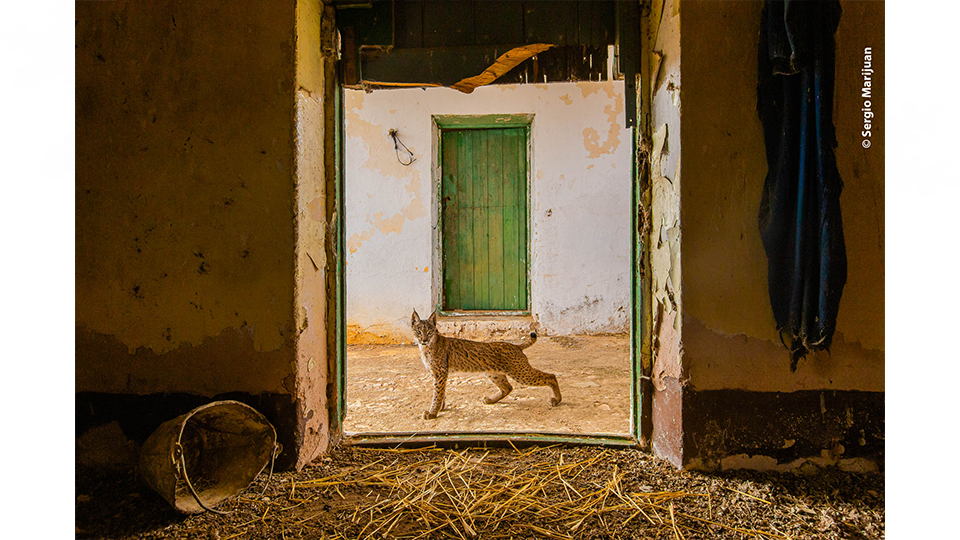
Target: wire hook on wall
397,143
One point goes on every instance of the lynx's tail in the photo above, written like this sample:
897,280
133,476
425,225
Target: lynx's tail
533,339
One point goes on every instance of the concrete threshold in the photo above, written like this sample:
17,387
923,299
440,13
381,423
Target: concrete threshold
487,327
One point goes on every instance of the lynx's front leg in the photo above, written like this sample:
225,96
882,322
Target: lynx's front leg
439,391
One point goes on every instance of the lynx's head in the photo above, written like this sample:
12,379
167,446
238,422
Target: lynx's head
424,332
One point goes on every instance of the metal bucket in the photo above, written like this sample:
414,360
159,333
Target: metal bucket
209,455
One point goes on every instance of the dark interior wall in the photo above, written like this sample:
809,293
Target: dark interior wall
185,234
730,345
725,268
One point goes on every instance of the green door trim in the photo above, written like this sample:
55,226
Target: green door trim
484,438
336,231
481,121
641,343
488,121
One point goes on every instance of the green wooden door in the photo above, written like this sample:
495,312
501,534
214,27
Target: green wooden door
484,219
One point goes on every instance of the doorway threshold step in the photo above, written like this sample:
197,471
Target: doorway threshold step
487,327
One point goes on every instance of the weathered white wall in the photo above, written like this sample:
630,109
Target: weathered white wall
580,190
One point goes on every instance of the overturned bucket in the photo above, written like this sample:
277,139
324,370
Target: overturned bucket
200,459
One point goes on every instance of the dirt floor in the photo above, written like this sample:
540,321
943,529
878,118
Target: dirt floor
388,389
561,492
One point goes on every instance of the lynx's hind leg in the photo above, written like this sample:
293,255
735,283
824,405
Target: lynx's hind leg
502,383
532,376
552,381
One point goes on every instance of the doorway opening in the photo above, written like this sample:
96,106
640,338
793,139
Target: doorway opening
514,213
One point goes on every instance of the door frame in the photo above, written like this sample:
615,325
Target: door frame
640,426
441,123
641,390
634,43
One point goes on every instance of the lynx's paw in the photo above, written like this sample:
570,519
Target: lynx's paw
554,402
427,415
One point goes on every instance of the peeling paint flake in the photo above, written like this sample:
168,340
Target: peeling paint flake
317,208
593,146
358,239
660,149
587,88
591,138
655,70
674,94
659,140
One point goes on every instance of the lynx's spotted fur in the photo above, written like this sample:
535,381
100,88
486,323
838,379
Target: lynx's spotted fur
442,355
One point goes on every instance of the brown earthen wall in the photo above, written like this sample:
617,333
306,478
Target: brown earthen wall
730,340
731,354
185,201
185,224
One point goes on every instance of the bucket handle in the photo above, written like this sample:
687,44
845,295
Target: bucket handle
181,465
277,448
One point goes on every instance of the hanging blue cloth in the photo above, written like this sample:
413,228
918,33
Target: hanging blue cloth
800,208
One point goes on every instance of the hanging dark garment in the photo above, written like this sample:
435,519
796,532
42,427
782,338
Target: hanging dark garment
800,209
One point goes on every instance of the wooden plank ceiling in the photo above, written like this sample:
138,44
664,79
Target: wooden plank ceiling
441,43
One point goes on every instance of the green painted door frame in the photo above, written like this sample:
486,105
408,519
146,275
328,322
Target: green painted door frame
338,228
633,38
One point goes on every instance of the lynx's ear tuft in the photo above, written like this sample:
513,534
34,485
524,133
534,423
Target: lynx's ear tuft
415,319
433,318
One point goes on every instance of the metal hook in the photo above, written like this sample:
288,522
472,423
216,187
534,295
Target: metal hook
397,143
277,448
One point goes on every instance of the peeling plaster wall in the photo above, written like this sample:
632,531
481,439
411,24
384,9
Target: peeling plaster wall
315,125
661,46
729,334
184,192
665,227
580,204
